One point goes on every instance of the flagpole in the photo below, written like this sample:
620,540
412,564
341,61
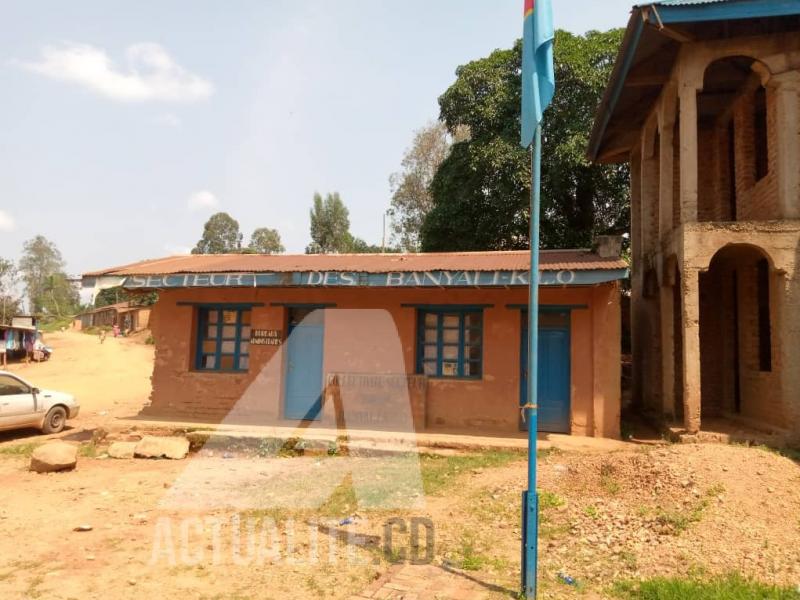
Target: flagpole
530,515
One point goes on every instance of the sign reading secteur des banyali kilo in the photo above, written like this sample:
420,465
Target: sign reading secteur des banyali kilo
390,279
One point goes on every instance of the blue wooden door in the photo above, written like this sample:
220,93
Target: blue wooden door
303,393
554,371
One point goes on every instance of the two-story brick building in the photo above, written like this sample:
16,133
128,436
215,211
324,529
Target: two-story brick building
704,105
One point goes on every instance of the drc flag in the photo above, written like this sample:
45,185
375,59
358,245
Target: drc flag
538,77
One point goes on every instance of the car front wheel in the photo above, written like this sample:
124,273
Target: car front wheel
55,420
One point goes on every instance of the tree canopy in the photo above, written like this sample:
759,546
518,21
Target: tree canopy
265,241
221,235
9,301
481,191
115,295
411,196
330,226
49,290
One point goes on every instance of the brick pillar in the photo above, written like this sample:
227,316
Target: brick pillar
787,333
688,153
667,347
636,208
636,274
666,126
649,192
786,87
690,305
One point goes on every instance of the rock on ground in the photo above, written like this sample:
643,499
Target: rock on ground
162,447
54,456
122,449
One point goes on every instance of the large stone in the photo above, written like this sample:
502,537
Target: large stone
122,449
54,456
162,447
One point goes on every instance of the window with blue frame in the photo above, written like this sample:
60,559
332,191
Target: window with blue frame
223,339
450,342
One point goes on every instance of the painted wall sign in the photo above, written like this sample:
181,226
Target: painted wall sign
354,279
266,337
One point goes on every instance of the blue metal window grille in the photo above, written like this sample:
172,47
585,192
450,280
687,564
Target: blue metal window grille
223,339
450,342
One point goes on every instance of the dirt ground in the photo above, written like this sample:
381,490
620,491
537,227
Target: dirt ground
221,524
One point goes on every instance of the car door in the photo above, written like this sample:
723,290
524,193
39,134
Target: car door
17,404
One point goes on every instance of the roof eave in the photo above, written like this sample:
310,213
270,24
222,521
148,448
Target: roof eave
616,83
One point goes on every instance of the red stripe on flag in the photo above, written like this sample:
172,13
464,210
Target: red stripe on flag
528,7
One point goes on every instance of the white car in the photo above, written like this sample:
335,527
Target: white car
23,405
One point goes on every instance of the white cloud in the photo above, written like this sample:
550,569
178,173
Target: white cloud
202,200
7,222
168,119
177,249
149,73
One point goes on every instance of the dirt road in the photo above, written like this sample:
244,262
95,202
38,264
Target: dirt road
110,380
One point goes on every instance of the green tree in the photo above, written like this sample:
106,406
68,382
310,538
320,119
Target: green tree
330,226
266,241
220,236
411,196
117,294
359,246
9,301
49,290
481,191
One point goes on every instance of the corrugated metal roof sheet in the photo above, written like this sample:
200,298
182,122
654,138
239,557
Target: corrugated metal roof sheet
120,307
681,2
551,260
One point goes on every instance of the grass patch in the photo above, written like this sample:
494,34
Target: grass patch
440,472
731,587
342,501
550,500
469,559
88,450
549,531
276,515
48,325
18,449
607,480
629,559
790,453
591,511
610,485
679,520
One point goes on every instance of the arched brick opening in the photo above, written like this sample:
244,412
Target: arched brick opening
735,116
739,371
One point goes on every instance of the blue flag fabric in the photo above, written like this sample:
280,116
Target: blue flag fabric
538,73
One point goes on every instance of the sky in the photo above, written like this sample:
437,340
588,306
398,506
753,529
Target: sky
125,125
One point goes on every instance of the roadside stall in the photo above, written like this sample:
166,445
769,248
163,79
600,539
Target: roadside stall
22,340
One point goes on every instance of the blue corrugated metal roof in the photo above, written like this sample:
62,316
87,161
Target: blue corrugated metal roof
680,2
702,10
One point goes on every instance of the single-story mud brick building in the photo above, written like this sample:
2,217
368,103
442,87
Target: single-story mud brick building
383,341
